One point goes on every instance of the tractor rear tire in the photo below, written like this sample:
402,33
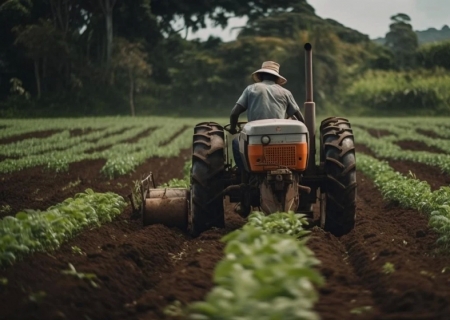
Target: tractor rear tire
208,167
339,160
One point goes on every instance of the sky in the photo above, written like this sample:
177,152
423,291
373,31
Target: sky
371,17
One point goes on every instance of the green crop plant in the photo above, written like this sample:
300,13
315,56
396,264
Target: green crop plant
109,139
361,310
412,193
36,231
388,268
37,297
266,273
185,182
90,277
5,208
77,250
384,148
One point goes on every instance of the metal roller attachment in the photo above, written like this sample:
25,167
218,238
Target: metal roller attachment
165,206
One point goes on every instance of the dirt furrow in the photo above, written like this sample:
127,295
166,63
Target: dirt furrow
344,290
190,277
38,188
394,253
433,175
417,146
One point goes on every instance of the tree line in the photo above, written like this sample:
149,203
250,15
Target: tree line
97,57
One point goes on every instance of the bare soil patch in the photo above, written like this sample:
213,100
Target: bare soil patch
361,148
429,133
120,131
378,133
417,146
81,132
433,175
143,134
29,135
175,134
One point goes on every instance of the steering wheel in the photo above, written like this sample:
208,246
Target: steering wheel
239,127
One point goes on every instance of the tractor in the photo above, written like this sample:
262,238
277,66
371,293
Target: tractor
280,172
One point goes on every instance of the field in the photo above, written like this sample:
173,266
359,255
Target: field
394,265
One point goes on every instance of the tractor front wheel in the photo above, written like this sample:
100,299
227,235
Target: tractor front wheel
338,194
207,178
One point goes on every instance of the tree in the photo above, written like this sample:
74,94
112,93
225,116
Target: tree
107,9
402,40
43,43
130,58
434,55
194,13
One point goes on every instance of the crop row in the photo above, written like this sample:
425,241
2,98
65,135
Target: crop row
410,192
267,273
111,143
401,132
383,148
15,127
439,126
36,231
63,140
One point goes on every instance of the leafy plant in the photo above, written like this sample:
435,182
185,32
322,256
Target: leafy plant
411,193
181,183
77,250
266,273
361,310
90,277
6,208
388,268
36,231
37,297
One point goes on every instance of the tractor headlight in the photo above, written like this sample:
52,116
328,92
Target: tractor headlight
265,140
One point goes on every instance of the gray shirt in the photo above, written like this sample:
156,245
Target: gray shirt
267,100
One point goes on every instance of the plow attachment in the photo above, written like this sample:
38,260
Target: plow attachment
167,206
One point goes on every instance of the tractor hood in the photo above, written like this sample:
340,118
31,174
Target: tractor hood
274,126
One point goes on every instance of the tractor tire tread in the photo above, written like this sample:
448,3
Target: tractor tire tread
338,154
207,171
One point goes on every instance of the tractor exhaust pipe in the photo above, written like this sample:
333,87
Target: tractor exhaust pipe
310,110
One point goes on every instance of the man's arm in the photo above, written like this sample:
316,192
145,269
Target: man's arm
299,116
293,109
234,117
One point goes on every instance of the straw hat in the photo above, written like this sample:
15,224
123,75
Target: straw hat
272,68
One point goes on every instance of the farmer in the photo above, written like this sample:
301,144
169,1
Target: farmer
265,99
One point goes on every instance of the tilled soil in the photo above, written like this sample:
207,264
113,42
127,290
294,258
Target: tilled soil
359,282
417,146
387,268
28,135
433,175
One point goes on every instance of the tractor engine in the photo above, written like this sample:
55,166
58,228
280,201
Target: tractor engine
274,153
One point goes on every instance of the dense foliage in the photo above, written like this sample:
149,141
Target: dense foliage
108,57
391,93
